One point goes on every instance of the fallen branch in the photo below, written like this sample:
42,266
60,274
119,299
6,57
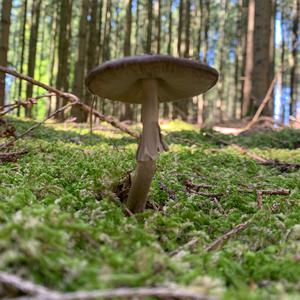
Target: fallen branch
281,166
23,285
223,238
164,293
39,292
72,98
263,104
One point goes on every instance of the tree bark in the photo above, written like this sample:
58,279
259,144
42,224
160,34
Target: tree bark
4,38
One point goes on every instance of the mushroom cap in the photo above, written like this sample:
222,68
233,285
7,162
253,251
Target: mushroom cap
177,78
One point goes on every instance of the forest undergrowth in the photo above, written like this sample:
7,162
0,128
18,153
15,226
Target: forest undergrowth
62,225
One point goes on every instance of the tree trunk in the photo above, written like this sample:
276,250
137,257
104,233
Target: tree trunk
238,61
107,31
170,36
263,58
149,27
247,87
220,105
205,11
34,29
137,27
294,64
4,37
166,110
127,113
80,63
180,27
23,30
187,29
62,78
158,26
93,40
99,33
259,57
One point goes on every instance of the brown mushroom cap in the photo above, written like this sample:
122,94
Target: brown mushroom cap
177,78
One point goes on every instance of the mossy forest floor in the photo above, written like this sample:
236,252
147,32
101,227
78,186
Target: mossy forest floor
62,226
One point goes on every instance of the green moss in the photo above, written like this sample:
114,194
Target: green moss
61,226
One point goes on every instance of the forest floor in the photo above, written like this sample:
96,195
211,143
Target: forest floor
62,226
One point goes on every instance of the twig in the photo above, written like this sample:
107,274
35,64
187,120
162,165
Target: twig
180,251
9,143
220,240
72,98
191,187
26,103
171,194
249,153
260,193
189,184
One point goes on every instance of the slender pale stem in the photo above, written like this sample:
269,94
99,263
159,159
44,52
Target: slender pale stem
150,145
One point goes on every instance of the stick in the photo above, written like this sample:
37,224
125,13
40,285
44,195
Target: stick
72,98
281,166
22,285
220,240
41,293
262,105
130,293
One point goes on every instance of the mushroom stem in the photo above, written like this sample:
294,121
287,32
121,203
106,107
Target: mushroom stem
149,146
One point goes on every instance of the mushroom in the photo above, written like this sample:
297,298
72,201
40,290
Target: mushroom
149,80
